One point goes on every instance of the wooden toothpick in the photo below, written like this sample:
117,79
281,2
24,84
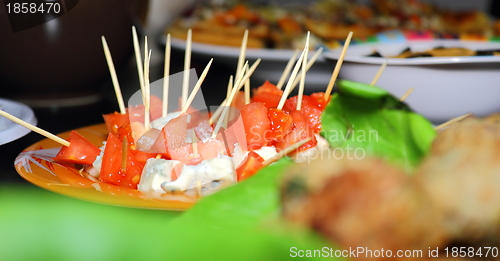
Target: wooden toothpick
194,143
34,128
450,122
336,71
124,154
138,58
196,87
303,74
290,81
218,112
243,49
114,78
309,65
407,93
247,88
166,77
287,70
147,92
187,65
236,88
284,152
379,73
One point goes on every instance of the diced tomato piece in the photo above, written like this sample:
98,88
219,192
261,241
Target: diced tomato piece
203,130
146,141
132,176
115,120
156,105
112,161
142,156
239,100
256,123
125,131
319,97
234,133
111,168
172,139
136,113
309,108
251,165
281,124
211,148
160,146
268,94
79,151
138,129
196,117
301,131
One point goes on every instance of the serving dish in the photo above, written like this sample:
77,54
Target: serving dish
444,87
273,62
35,164
9,130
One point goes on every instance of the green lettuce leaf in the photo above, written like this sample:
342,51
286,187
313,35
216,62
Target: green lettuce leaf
247,214
363,120
243,205
40,225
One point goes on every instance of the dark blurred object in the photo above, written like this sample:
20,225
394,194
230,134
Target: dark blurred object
61,62
495,9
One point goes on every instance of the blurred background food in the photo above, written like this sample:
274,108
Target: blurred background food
451,200
283,26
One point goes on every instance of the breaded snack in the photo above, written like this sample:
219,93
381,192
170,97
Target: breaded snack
361,203
462,178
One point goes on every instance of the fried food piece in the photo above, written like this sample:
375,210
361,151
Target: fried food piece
473,22
361,203
330,31
211,33
462,178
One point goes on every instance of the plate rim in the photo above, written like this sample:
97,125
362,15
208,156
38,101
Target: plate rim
17,131
282,55
66,189
355,58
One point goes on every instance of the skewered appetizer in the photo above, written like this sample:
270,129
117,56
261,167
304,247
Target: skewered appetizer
151,150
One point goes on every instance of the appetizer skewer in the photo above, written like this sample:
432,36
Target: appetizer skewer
179,155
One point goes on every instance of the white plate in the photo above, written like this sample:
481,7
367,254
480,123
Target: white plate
9,130
444,87
273,62
358,53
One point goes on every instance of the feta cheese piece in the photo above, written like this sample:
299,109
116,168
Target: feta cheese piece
215,169
162,121
239,155
155,173
266,152
98,162
183,182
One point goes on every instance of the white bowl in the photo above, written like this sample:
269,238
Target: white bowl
444,87
9,130
271,67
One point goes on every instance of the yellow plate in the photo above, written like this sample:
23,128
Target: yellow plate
35,164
